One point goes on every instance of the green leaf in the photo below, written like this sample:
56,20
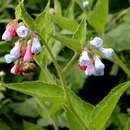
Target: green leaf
73,122
104,109
43,22
4,126
71,43
22,14
26,108
81,32
65,22
57,7
31,126
127,125
38,89
119,37
98,16
83,109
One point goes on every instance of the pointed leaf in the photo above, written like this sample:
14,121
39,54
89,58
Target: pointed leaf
65,22
103,110
81,32
98,16
38,89
71,43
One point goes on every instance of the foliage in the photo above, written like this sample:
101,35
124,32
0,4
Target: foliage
51,97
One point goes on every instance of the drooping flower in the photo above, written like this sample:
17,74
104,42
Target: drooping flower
28,55
15,51
84,60
36,45
15,69
9,58
22,31
6,36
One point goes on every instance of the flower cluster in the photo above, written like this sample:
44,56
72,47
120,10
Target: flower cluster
24,49
90,62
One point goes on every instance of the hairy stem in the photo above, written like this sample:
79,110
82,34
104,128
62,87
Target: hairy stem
63,83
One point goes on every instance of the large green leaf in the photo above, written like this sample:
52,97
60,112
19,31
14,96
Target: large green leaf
38,89
4,126
43,22
71,43
26,108
98,16
119,37
81,32
22,14
65,22
73,122
31,126
83,109
104,109
127,127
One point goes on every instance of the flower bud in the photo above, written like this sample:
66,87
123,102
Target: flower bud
28,54
36,46
22,31
108,53
86,5
6,36
9,58
97,42
84,59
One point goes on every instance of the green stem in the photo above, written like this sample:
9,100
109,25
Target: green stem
119,62
70,62
63,83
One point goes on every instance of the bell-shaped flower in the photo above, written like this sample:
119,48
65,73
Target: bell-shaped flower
28,54
9,58
15,51
36,45
15,69
84,60
22,31
98,64
97,42
6,36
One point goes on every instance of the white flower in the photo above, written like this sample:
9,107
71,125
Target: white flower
84,59
86,4
6,36
97,42
22,31
9,58
108,53
16,50
36,45
98,64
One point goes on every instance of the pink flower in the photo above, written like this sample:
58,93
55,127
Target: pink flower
15,69
83,68
28,54
11,30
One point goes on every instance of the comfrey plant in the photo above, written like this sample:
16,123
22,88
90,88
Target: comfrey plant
24,49
90,62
